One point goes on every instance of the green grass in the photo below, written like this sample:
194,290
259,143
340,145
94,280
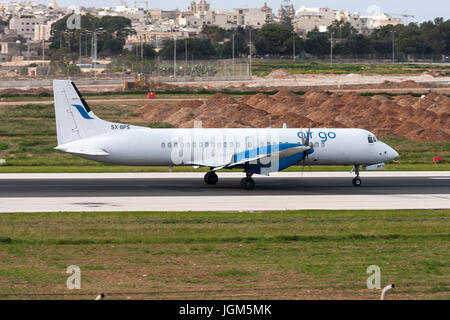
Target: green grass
264,68
321,254
28,138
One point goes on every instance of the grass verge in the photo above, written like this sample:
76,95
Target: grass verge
276,255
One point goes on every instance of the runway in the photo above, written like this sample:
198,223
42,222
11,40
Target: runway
188,192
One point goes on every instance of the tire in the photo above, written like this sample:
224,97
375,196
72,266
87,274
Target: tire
211,178
247,183
357,182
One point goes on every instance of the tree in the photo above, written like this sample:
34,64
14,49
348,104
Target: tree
317,43
355,46
148,52
276,39
340,29
111,34
214,33
197,49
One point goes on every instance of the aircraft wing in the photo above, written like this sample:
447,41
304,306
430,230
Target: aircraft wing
277,154
243,158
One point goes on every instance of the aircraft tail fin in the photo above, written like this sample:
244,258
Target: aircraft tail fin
74,119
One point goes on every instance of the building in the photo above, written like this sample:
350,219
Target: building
26,25
377,21
307,19
9,48
253,17
43,31
199,8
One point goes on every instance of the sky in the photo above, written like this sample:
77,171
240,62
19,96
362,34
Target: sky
423,10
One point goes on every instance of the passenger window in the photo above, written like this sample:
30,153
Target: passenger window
175,144
316,145
200,144
181,145
249,144
193,144
206,144
238,144
169,145
163,145
323,144
225,144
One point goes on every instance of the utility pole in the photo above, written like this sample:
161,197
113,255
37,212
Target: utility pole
175,57
232,45
331,49
80,48
250,56
393,46
94,52
185,51
293,48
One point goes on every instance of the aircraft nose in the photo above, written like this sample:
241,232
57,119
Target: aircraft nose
391,153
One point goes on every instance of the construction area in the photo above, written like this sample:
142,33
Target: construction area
425,118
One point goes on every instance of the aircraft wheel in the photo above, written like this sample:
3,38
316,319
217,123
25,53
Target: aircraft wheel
211,178
247,183
357,182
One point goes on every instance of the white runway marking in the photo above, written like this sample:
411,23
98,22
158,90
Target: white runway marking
178,175
226,203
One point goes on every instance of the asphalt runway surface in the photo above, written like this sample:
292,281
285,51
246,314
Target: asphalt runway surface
229,186
187,192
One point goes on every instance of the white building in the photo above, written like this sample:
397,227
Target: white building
307,19
377,21
43,31
26,25
253,17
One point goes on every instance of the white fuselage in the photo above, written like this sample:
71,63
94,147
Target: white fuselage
132,145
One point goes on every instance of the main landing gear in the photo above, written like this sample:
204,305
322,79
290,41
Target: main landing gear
211,178
248,183
357,181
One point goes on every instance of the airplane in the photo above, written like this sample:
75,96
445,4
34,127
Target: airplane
254,150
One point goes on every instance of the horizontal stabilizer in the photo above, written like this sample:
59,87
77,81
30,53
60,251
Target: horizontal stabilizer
86,152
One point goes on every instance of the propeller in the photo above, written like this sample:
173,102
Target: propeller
305,142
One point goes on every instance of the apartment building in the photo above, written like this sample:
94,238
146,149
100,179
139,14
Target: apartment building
26,25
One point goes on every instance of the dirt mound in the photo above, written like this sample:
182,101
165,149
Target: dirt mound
156,112
419,119
220,99
279,74
430,135
285,94
190,103
30,91
400,85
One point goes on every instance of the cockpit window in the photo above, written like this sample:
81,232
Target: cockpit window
370,138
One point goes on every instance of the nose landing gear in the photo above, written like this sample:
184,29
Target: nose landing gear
248,183
357,181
